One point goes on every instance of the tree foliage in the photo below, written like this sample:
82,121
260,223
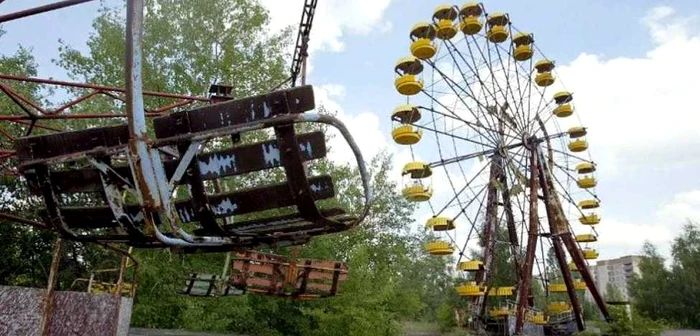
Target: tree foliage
671,294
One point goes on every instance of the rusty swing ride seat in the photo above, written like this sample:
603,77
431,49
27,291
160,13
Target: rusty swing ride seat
48,163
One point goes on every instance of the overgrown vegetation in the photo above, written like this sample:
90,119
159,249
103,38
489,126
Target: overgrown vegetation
671,294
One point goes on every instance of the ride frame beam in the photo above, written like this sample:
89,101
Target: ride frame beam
557,226
490,227
526,272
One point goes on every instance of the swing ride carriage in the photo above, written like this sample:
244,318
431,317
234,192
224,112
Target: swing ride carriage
482,115
160,180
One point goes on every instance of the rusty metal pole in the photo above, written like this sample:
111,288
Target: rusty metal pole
138,146
526,272
577,258
40,9
489,231
555,225
49,295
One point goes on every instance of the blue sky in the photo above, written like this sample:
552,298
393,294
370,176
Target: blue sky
632,65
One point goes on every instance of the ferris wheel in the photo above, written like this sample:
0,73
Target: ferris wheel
500,162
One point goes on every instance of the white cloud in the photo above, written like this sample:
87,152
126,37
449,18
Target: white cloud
619,237
638,109
364,126
333,20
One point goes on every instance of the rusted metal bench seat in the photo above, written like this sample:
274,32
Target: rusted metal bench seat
65,167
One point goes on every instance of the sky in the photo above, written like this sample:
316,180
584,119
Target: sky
631,64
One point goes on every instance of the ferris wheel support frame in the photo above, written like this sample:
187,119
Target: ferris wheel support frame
526,273
490,227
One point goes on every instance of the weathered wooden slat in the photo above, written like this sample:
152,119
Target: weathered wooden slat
228,162
223,205
47,146
235,112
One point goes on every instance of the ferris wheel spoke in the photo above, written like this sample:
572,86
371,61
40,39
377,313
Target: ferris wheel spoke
457,94
466,122
472,222
509,88
434,130
475,129
485,90
495,83
458,193
450,48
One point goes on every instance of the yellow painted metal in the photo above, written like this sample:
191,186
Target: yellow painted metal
409,65
501,312
406,135
423,48
445,12
522,52
572,267
423,29
586,238
558,307
544,79
440,224
576,132
589,219
497,34
471,266
522,39
580,285
406,114
590,254
544,65
588,204
439,248
536,318
417,193
470,289
470,9
417,170
557,288
563,110
502,291
471,25
563,97
497,19
408,85
445,29
587,182
585,167
579,145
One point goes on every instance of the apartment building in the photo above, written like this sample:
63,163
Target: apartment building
616,272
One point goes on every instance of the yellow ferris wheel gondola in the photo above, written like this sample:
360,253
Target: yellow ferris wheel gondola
589,219
585,168
406,133
544,75
590,254
439,248
408,68
440,224
471,18
523,46
444,17
422,35
417,190
498,30
471,266
586,238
